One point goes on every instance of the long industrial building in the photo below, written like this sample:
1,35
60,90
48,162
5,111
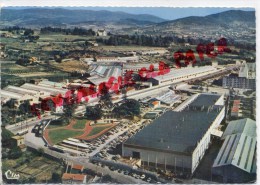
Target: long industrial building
236,160
178,75
178,140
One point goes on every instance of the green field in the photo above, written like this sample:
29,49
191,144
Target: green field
80,124
97,130
62,37
57,136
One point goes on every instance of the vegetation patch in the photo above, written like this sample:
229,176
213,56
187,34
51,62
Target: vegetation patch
97,130
80,124
59,135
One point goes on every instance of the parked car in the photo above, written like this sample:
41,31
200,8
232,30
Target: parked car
149,179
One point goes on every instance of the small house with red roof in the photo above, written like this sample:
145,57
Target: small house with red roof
70,178
77,168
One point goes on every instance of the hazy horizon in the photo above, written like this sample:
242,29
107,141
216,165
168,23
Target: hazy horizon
162,12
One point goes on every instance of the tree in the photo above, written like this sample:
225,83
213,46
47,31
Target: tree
93,113
106,178
40,151
129,108
6,137
56,178
15,153
25,107
105,98
11,103
68,111
28,32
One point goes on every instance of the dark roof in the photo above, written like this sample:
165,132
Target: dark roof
177,131
205,100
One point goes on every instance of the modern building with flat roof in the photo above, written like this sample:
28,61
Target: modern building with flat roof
178,139
236,160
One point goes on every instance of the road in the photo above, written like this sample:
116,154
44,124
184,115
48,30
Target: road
26,124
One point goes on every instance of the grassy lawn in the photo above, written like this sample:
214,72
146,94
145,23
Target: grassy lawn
57,136
54,126
96,130
80,124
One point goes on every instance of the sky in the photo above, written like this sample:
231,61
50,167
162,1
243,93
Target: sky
168,13
163,12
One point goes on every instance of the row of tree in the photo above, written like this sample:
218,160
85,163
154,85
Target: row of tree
68,31
128,109
142,40
18,30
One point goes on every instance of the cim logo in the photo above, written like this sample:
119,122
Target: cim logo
11,175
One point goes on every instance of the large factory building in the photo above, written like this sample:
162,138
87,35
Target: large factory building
178,140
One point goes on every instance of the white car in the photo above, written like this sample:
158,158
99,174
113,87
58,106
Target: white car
149,179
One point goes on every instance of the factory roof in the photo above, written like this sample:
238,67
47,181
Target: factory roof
140,65
101,73
246,126
175,73
20,90
205,100
8,94
51,84
168,98
176,131
52,90
239,147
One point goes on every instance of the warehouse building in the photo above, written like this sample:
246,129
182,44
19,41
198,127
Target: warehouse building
236,160
48,83
53,91
23,91
138,66
178,75
17,97
102,73
175,140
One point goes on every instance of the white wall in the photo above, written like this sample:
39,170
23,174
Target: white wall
160,157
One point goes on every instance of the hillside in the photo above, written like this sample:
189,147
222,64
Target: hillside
226,20
59,16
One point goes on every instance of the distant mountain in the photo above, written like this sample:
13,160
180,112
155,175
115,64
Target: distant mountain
227,19
59,16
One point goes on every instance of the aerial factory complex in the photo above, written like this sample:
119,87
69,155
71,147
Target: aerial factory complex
113,97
